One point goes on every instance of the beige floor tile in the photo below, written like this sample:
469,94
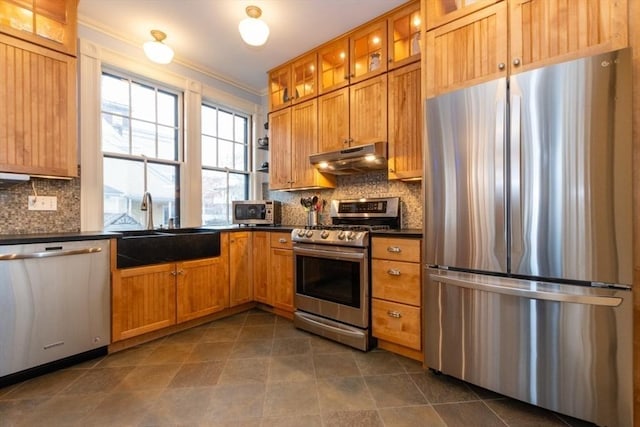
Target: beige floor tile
169,353
130,357
99,380
464,414
291,399
411,416
260,319
367,418
62,410
231,402
251,349
394,390
245,371
184,407
122,409
291,369
335,365
515,413
291,346
227,334
149,377
201,374
210,352
344,394
46,385
378,363
298,421
442,388
256,332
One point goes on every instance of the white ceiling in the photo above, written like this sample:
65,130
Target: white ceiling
204,33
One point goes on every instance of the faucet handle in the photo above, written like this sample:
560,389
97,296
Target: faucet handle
171,224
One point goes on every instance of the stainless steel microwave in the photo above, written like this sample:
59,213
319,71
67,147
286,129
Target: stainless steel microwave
257,212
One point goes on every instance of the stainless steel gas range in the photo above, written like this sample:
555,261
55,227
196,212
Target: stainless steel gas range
332,270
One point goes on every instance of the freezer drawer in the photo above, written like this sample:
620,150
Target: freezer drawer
562,347
54,302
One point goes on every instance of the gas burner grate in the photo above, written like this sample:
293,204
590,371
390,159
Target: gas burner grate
355,227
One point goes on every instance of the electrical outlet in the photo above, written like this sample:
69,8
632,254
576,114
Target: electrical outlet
43,203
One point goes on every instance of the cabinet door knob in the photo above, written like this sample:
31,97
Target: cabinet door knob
516,62
394,314
282,240
393,272
181,272
501,66
394,249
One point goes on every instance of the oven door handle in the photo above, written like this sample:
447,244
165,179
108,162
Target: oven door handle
334,328
348,256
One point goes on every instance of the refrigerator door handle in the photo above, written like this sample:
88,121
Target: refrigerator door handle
523,292
500,215
515,136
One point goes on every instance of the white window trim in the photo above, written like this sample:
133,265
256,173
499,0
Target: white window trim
91,59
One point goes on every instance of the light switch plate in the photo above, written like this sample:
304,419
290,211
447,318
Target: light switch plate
43,203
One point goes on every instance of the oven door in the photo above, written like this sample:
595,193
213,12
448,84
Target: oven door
333,282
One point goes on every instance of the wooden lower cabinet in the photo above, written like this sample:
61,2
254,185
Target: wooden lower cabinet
396,307
240,268
396,323
260,256
281,271
143,300
202,288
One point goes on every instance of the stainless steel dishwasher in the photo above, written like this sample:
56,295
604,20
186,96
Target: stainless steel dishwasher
54,305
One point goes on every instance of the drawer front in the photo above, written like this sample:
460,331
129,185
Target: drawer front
396,323
407,250
396,281
281,240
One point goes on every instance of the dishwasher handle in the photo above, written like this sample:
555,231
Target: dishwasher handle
49,254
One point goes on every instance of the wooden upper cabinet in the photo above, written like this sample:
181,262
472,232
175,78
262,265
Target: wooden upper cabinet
48,23
279,150
368,111
333,64
405,122
404,36
38,99
368,51
549,31
468,51
440,12
293,82
294,137
280,87
333,120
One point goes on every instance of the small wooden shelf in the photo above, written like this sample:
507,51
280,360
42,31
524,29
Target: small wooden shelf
263,147
265,170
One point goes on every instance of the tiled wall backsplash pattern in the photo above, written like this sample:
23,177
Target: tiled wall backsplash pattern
373,184
15,218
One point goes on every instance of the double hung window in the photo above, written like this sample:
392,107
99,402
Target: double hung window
142,149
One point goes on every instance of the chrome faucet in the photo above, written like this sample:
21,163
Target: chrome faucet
147,205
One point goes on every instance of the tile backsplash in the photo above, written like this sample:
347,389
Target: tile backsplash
373,184
15,218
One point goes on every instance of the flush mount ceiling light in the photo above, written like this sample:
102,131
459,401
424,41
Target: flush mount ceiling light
156,50
253,31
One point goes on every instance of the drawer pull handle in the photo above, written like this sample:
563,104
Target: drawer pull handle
282,240
393,272
394,249
394,314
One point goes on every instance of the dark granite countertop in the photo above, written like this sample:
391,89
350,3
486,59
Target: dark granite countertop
19,239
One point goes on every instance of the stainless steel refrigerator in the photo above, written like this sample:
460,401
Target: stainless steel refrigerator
528,237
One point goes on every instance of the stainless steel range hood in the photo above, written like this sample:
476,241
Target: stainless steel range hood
363,158
7,179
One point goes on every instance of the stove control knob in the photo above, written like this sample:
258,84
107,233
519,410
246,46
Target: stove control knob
324,234
349,235
309,233
341,235
301,233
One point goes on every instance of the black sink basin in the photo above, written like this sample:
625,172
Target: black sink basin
145,247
